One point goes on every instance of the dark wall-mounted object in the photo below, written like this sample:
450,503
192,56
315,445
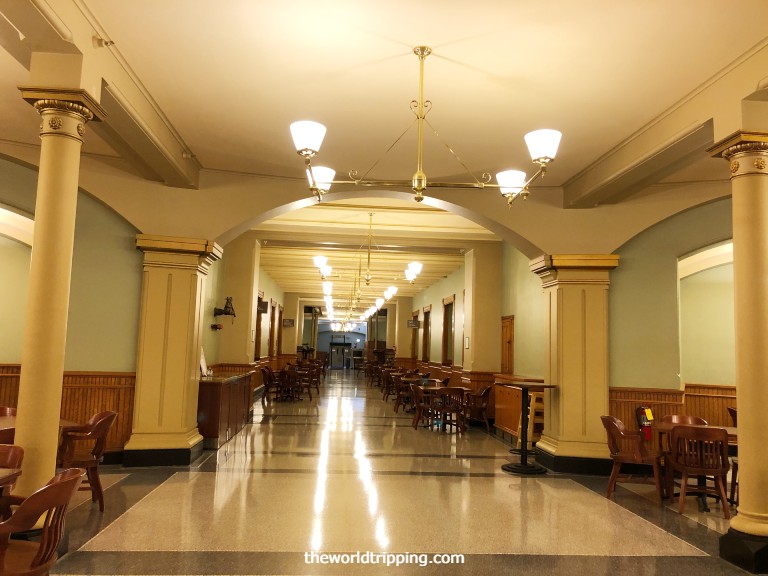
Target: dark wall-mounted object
228,309
262,306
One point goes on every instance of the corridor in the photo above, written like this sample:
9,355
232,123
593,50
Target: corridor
345,475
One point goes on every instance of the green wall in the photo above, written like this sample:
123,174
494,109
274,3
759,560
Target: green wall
707,335
105,287
452,285
523,297
14,261
644,348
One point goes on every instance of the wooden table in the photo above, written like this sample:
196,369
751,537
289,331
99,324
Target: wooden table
524,467
665,428
9,423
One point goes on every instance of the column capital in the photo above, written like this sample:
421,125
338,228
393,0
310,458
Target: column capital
175,251
546,263
746,151
64,112
198,246
76,101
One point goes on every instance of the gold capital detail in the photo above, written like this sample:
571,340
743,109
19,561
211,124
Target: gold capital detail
760,163
64,106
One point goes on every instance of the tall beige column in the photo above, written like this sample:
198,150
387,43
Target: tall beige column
64,115
576,292
746,543
168,358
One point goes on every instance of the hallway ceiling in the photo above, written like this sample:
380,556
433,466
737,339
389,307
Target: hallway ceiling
231,76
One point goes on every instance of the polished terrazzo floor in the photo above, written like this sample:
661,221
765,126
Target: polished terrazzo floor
343,474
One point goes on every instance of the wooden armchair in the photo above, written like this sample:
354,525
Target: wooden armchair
422,404
83,447
10,457
48,504
404,395
701,451
734,499
476,406
449,407
626,447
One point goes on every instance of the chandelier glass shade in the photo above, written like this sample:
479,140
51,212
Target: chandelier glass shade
308,137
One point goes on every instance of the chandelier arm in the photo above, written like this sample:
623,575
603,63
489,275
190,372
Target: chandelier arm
452,151
376,163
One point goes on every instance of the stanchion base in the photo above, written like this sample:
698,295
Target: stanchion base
515,468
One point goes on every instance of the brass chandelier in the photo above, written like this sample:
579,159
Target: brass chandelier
350,319
308,136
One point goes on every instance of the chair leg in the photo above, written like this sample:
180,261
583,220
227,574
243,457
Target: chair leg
612,479
734,482
97,494
681,498
657,480
720,484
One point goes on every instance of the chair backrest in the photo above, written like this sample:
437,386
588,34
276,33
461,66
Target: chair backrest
623,442
732,414
7,411
482,398
700,450
94,430
11,456
451,398
684,419
48,503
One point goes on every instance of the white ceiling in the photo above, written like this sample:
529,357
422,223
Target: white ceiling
232,75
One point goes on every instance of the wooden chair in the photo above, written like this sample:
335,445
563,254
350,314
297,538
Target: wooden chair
49,503
626,447
83,447
476,406
7,411
681,419
701,452
10,457
404,395
449,407
422,404
734,499
271,385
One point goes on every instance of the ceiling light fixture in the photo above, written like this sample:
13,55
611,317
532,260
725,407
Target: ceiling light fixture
308,136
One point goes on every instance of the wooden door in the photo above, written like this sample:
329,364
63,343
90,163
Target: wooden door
508,345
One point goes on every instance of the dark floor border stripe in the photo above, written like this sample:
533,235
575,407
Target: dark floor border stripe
293,563
384,455
437,473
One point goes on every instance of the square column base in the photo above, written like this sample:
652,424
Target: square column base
574,464
162,456
745,551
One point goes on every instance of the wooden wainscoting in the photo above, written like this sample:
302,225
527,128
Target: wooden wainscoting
711,402
87,393
624,401
83,395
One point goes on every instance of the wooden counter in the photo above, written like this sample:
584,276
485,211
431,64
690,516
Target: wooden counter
508,399
224,405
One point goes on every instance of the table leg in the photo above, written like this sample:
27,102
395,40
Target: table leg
524,467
